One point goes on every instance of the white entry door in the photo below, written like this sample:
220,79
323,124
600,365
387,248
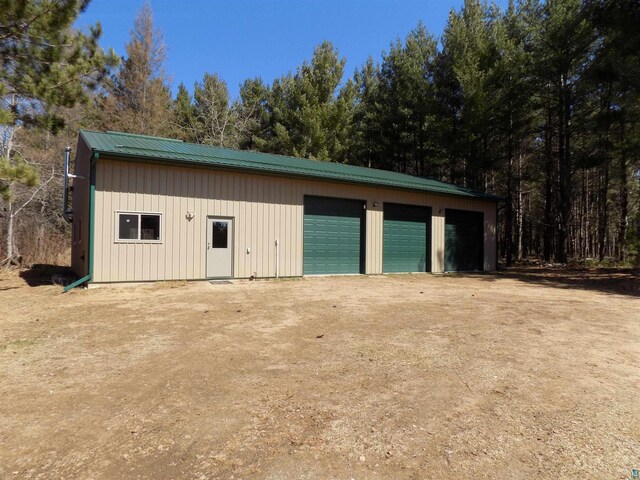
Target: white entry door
219,247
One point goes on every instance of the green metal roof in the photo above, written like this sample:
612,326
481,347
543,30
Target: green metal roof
131,146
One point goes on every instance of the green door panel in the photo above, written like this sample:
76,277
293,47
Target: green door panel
464,241
332,235
406,239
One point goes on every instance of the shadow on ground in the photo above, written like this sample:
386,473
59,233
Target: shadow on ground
619,281
39,274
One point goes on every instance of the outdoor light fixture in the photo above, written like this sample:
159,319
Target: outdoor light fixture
375,204
189,216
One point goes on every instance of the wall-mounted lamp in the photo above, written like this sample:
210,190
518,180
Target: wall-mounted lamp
189,216
375,204
441,210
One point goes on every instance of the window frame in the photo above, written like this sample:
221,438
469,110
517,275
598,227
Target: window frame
139,214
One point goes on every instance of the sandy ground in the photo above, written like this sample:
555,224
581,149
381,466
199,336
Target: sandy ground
519,375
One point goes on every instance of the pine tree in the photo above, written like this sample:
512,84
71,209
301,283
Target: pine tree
563,53
254,110
139,99
406,100
616,72
184,115
45,63
312,103
365,140
306,115
514,87
470,56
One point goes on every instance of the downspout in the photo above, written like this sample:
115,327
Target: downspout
92,209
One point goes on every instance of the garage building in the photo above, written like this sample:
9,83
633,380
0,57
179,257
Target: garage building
149,208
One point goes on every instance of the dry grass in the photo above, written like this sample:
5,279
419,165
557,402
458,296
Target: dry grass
524,374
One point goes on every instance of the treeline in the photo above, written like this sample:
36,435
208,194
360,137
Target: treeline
539,104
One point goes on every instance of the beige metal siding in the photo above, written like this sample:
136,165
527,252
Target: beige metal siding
265,208
80,207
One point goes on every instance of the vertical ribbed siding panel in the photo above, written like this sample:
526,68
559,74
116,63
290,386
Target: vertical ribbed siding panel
194,230
260,207
249,225
252,225
289,194
287,249
104,200
169,228
239,211
275,221
124,200
203,209
267,219
297,230
187,196
271,227
173,185
213,205
179,207
147,206
104,204
99,250
379,245
437,238
173,232
121,197
137,249
187,226
196,241
370,240
374,238
161,190
245,203
231,192
195,192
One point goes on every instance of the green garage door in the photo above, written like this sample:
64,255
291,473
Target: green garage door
333,235
464,241
406,238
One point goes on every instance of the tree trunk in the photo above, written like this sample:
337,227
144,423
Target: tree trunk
508,219
519,230
549,221
623,197
564,171
603,211
10,232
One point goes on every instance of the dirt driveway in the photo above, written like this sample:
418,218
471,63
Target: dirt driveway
524,374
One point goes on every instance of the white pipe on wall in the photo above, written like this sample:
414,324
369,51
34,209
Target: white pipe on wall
65,186
67,212
277,258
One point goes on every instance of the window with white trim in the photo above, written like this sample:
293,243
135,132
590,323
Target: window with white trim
138,227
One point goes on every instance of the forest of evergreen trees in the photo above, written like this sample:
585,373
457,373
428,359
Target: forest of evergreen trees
539,104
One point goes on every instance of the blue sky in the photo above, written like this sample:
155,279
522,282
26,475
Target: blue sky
240,39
